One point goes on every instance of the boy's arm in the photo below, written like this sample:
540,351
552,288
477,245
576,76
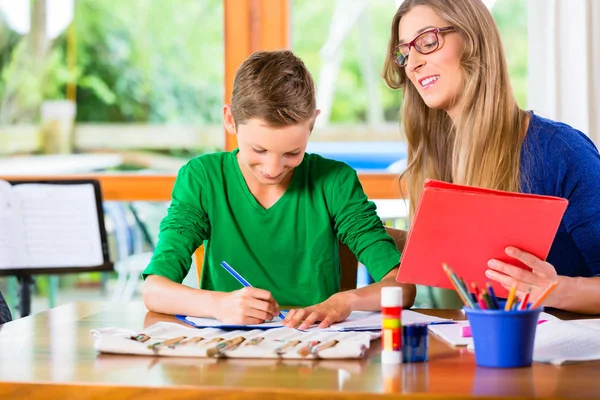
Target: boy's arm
399,237
184,228
245,306
358,226
182,231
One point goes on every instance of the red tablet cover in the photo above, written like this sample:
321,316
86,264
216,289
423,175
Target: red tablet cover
465,227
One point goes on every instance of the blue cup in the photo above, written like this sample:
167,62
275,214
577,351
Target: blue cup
503,339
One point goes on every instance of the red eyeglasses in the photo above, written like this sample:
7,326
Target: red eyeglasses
425,43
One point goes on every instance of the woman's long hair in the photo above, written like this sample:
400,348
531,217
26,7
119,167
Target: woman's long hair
483,147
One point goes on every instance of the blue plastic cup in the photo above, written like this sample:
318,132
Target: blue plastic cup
503,339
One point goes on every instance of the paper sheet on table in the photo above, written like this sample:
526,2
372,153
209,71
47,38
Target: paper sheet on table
198,322
357,321
452,334
363,320
558,342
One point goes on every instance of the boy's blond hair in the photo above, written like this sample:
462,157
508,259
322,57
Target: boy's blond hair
274,86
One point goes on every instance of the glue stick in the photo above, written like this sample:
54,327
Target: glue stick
391,325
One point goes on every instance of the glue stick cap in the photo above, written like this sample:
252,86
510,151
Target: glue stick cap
391,357
391,296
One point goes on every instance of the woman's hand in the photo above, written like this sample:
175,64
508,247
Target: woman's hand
247,306
332,310
536,280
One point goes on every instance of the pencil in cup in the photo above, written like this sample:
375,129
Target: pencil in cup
511,297
241,280
492,294
503,339
538,302
462,291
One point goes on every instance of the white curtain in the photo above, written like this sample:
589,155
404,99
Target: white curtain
564,62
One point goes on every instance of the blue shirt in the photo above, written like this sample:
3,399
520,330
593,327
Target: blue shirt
558,160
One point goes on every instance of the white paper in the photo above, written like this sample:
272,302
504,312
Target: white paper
559,342
452,333
211,322
357,321
364,320
50,225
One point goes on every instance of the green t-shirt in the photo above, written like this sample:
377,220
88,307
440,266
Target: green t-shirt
290,249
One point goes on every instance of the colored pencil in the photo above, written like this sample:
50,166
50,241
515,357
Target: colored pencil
466,299
544,294
492,294
475,292
482,304
486,298
523,305
475,289
511,297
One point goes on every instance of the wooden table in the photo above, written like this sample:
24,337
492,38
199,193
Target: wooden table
50,355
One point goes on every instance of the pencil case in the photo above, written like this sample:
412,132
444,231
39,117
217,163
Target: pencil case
171,339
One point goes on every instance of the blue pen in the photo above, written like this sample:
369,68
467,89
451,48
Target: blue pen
241,280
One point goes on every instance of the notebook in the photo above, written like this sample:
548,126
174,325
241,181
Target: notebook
465,227
357,321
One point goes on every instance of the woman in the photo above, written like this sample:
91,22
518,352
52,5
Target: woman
463,125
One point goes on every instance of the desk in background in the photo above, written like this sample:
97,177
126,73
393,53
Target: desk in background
51,355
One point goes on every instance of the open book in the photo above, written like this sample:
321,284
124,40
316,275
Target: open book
51,225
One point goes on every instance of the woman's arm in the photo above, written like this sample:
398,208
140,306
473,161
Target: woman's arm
580,295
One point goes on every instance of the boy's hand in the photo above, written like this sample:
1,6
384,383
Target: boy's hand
332,310
246,306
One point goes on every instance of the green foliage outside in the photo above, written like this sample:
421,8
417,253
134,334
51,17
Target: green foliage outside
511,18
162,61
150,61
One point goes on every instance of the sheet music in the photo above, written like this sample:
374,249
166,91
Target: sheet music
12,246
558,342
61,226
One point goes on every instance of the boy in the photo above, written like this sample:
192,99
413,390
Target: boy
271,211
